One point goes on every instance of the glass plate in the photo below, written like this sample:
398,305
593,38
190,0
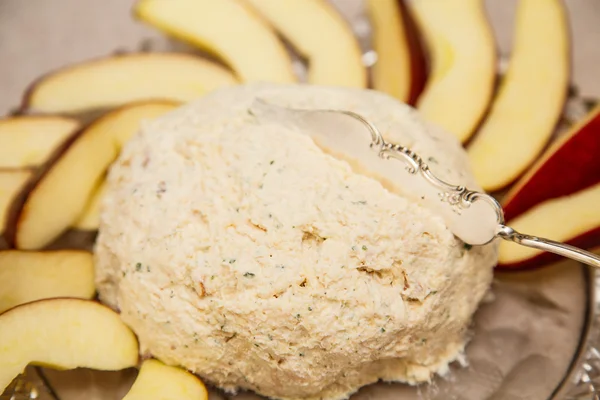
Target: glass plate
531,341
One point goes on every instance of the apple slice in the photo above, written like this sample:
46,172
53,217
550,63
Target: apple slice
28,141
572,219
89,220
227,29
530,98
159,381
11,183
64,334
463,63
319,34
117,80
400,67
570,164
59,195
28,276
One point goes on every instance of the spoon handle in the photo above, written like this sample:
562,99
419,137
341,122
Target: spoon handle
562,249
476,228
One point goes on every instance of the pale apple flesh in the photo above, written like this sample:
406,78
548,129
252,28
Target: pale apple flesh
227,29
159,381
65,334
569,165
29,276
118,80
391,72
28,141
319,34
530,99
60,194
89,220
11,183
573,219
400,68
459,90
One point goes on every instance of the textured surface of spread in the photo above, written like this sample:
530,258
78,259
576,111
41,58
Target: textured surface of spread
240,250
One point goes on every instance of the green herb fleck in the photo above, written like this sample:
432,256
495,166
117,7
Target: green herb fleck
297,315
232,261
138,267
270,337
212,277
364,247
256,344
301,354
272,162
353,248
309,308
148,268
432,160
467,246
249,275
382,330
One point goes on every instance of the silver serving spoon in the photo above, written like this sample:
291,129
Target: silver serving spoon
476,218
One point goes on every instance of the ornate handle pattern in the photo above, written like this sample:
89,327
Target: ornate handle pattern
461,198
458,197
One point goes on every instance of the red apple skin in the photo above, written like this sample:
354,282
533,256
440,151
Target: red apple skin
18,209
574,166
418,62
587,240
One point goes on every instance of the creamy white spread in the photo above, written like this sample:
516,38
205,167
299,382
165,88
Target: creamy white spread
238,249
